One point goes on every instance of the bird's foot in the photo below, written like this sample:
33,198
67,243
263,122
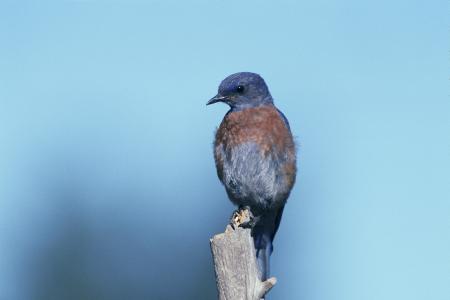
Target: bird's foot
251,222
239,216
244,218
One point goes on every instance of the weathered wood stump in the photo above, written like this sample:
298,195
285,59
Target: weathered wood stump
237,273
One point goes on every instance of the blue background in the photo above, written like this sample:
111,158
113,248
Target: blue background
108,188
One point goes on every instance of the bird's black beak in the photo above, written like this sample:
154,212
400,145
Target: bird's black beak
215,99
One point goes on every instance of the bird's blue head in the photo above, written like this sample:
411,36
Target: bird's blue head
243,90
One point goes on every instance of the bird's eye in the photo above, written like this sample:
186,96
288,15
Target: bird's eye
240,89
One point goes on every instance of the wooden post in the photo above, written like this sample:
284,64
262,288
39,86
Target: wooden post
237,273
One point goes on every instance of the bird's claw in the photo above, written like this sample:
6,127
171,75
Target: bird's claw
250,223
238,217
243,217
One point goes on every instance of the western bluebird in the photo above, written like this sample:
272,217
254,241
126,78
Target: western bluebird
255,157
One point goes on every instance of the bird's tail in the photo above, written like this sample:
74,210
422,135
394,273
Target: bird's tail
263,258
263,235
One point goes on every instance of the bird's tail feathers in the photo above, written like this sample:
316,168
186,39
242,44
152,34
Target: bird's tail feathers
263,235
263,258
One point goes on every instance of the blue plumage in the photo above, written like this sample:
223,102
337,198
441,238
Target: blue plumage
255,156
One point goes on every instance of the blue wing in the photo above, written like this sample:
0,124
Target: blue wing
285,120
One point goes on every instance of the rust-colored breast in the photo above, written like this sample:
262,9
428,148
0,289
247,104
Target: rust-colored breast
261,125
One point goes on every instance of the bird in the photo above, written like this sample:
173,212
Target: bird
255,157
